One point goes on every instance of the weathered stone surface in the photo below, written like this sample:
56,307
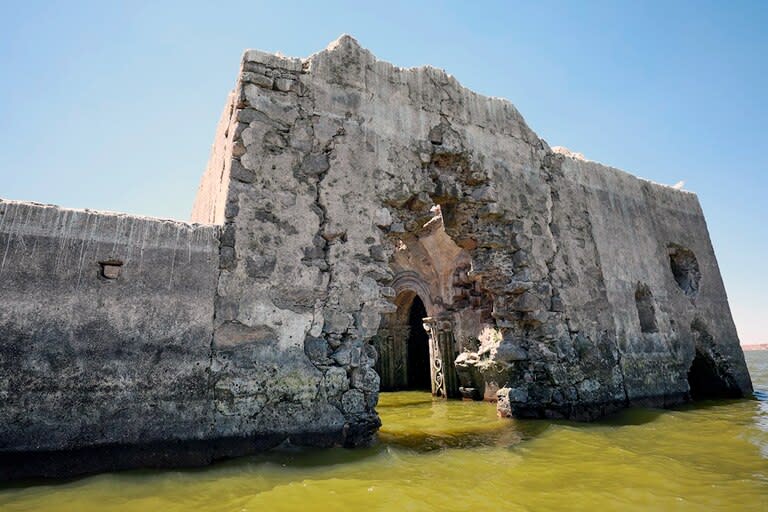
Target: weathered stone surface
353,402
90,359
344,188
544,261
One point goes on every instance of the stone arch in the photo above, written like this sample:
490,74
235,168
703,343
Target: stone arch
417,346
403,343
409,284
709,376
703,379
425,263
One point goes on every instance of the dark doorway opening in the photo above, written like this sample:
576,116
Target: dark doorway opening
706,382
418,348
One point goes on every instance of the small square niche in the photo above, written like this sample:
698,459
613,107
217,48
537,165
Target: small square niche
110,269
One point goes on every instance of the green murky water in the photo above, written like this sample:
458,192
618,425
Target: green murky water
436,455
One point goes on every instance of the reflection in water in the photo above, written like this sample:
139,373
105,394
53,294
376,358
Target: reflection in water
418,422
438,455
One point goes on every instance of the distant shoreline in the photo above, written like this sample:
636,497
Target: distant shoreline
755,346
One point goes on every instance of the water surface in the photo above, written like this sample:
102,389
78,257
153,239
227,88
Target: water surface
436,455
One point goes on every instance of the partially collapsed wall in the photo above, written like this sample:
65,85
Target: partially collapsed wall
351,194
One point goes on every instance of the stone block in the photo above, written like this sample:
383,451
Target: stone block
353,402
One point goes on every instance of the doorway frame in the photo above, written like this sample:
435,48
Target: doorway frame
394,334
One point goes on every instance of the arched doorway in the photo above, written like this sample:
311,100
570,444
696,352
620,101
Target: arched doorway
404,346
417,348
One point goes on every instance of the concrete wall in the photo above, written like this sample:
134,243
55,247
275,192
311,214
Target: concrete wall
89,361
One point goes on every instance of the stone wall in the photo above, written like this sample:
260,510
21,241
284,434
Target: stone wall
211,198
343,187
283,359
356,183
105,337
639,229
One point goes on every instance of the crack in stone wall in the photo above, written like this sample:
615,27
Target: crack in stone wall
286,154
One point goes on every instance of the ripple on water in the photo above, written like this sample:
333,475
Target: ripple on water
437,455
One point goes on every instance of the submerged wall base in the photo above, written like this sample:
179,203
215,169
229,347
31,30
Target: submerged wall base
162,454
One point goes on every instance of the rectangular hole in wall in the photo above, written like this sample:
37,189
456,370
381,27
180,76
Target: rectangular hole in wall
110,269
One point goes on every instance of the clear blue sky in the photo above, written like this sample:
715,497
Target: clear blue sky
113,105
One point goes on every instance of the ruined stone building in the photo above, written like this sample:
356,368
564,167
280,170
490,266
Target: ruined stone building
359,227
